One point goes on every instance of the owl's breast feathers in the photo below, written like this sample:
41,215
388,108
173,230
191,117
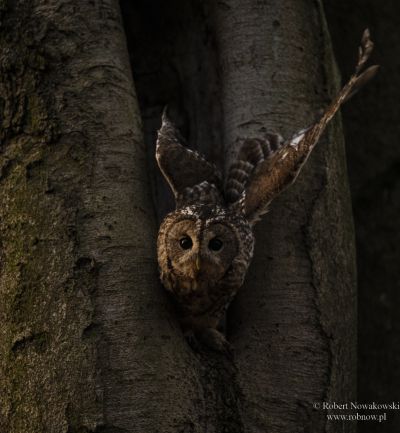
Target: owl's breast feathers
202,302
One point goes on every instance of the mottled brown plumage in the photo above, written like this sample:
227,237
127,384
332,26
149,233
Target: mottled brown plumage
205,246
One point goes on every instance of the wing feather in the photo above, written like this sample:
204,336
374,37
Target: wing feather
182,168
274,174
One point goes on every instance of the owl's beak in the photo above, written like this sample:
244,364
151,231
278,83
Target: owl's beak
198,263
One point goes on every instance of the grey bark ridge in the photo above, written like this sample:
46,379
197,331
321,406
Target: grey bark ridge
87,341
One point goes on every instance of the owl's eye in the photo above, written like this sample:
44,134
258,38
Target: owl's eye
185,243
215,244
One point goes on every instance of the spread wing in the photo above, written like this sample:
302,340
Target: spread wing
273,174
190,176
251,154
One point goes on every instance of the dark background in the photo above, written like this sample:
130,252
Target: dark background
371,126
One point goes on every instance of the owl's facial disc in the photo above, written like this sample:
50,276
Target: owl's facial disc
201,249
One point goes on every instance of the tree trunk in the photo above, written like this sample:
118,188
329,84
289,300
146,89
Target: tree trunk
293,324
86,342
89,341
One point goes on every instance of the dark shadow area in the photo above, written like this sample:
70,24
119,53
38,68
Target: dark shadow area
174,62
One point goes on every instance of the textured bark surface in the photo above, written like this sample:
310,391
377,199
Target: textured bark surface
372,129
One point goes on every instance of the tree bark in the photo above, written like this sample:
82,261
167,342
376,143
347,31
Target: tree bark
89,341
86,341
293,324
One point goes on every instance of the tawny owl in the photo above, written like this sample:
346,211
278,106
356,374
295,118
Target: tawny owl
205,246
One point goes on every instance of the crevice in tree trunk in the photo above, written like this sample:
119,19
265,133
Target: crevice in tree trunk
174,62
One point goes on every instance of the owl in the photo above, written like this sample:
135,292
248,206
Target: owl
206,244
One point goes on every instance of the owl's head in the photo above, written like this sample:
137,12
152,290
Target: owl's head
200,242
